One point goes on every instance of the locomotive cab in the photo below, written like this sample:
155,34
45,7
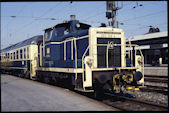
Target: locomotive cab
108,52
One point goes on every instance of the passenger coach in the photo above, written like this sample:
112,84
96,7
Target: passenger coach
20,58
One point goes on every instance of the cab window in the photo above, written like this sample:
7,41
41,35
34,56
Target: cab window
48,35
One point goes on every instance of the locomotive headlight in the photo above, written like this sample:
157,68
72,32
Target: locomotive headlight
77,25
90,62
111,44
139,60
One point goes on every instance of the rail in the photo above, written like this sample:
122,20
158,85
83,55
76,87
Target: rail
130,104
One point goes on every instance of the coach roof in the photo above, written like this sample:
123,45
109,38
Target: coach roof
26,42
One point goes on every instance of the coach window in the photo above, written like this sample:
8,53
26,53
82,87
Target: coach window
20,53
6,55
11,56
17,54
27,52
24,53
14,55
3,56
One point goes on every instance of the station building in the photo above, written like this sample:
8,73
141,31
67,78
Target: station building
154,47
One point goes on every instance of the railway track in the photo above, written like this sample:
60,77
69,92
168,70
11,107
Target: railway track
155,88
130,104
155,78
158,89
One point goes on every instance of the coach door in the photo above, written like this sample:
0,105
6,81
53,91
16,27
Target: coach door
33,61
33,67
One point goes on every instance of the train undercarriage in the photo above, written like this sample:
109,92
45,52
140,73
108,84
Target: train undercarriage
102,81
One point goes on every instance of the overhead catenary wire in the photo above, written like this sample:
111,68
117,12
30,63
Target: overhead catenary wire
18,13
26,25
138,17
87,19
28,17
94,15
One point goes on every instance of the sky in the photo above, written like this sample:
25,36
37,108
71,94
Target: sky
22,20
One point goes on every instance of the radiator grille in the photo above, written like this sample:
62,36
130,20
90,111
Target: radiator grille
114,55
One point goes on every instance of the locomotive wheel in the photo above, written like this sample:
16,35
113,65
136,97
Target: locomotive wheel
27,75
46,80
21,75
98,91
98,94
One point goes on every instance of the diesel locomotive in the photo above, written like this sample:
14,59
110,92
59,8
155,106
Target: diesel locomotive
74,54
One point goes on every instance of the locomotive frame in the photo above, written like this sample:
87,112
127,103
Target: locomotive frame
86,71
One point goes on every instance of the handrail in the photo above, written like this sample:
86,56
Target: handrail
131,53
127,45
142,58
83,61
75,58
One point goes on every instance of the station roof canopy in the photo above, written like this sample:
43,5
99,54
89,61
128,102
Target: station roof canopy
150,36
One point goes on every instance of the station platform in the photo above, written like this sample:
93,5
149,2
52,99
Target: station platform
18,94
163,71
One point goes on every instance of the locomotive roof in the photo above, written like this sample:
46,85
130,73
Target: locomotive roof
67,24
37,40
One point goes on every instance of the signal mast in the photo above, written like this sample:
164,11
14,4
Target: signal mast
113,7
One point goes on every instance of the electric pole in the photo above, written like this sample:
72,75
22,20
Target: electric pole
113,6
